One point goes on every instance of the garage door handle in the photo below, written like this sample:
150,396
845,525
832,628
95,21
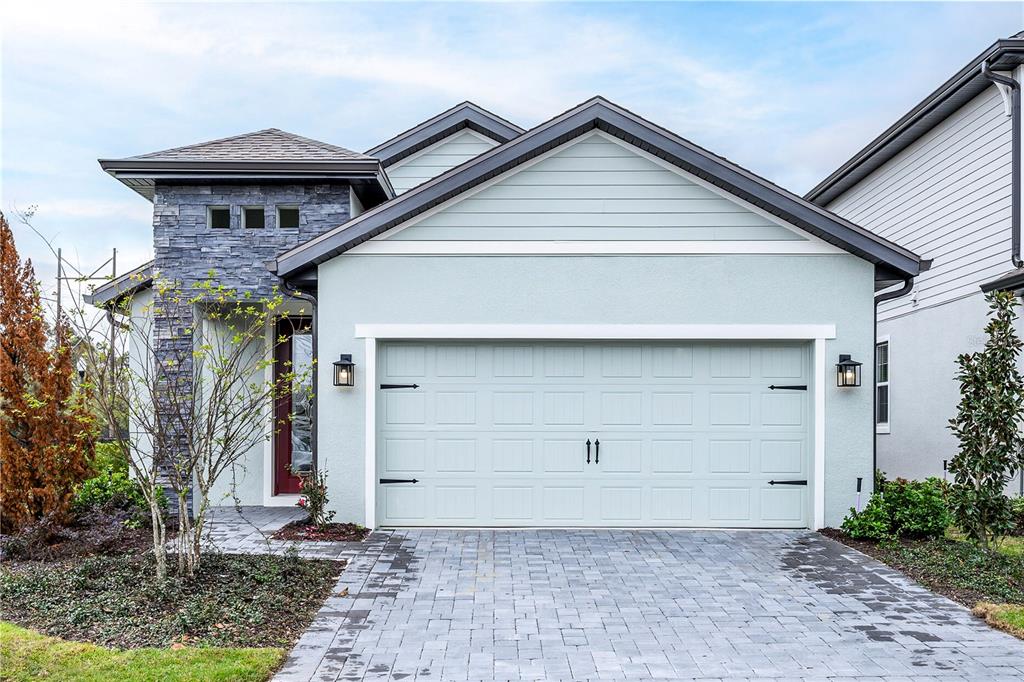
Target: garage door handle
588,451
801,387
804,482
399,480
597,452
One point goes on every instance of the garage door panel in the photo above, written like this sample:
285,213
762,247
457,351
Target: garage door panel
729,409
621,456
671,456
512,455
783,409
562,408
564,455
782,456
621,408
564,503
671,409
456,456
690,434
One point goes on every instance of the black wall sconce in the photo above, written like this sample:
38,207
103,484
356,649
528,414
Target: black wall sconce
344,371
847,372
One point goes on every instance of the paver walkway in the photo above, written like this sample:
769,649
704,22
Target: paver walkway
614,604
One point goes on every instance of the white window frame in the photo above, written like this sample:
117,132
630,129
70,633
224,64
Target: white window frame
209,216
277,215
244,222
883,427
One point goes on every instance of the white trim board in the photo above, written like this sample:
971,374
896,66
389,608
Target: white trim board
603,248
373,333
599,332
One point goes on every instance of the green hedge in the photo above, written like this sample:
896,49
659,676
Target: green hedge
901,508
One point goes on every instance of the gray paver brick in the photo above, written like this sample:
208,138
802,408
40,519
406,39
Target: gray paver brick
618,604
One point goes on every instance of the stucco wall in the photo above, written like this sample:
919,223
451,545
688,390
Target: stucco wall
739,289
923,391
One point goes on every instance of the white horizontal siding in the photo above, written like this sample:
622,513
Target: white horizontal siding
595,189
946,197
437,158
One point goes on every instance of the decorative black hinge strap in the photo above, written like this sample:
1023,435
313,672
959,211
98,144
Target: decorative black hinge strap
802,387
387,386
399,480
804,482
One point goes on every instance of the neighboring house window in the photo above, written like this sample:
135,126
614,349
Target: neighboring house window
882,386
288,217
253,217
219,217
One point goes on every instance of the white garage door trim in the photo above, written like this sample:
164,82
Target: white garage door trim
373,333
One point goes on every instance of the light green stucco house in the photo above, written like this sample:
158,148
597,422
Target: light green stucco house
590,323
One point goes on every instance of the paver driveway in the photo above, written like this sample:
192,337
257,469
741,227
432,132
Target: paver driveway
612,604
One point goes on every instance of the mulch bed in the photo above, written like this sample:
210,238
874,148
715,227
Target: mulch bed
110,596
955,569
331,532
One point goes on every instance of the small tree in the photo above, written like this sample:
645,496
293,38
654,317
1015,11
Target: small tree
195,406
988,425
46,430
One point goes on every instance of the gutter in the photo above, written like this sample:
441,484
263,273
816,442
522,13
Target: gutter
311,299
1015,186
908,286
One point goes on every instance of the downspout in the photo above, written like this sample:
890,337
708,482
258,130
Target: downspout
908,286
1014,87
311,299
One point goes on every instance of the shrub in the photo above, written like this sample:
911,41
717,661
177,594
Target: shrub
988,426
1017,509
314,498
109,456
901,508
113,491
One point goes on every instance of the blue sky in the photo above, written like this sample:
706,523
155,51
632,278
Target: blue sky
787,90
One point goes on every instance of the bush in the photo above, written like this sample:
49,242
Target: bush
113,491
108,456
901,508
1017,509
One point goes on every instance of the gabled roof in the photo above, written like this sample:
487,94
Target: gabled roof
465,115
263,145
269,154
110,293
968,83
893,261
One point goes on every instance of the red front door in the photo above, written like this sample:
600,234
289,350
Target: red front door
293,439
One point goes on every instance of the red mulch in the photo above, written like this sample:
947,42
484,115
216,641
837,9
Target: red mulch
332,532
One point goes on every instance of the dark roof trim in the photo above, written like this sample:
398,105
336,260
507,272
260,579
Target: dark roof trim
1011,281
465,115
194,165
893,261
113,291
141,175
968,83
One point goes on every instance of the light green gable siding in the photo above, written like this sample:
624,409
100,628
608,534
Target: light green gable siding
433,161
595,189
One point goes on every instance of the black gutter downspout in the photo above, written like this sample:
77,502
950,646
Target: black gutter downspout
1016,188
908,285
311,299
1014,87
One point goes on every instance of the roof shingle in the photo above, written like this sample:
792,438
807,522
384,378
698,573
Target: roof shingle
263,145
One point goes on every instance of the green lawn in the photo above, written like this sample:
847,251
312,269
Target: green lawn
1013,547
1009,617
27,655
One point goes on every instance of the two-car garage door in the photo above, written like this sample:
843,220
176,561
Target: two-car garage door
680,434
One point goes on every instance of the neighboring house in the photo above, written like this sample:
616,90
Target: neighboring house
943,181
591,323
